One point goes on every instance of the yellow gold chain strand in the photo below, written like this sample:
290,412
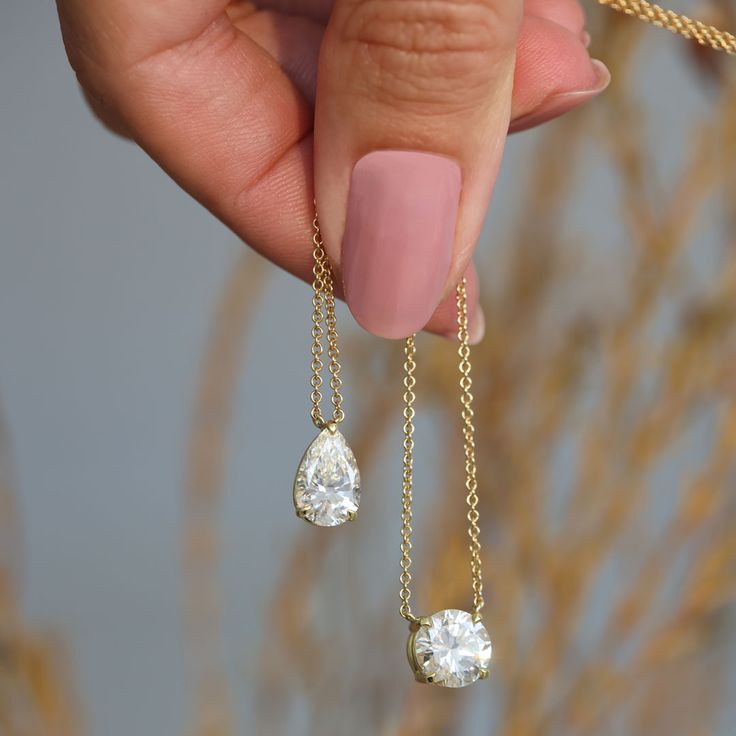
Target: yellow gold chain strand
333,351
407,483
450,648
679,24
323,314
471,480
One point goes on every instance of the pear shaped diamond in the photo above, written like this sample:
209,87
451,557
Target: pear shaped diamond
327,483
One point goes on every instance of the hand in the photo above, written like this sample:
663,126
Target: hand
417,93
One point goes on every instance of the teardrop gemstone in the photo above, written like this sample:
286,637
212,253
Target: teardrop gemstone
327,483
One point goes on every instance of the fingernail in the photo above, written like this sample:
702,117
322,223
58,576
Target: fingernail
399,238
476,328
603,75
561,102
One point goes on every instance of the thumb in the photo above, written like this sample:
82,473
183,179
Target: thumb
412,111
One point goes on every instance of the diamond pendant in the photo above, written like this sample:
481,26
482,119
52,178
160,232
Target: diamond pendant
327,483
449,648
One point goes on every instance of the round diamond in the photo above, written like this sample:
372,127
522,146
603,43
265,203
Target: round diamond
450,649
327,484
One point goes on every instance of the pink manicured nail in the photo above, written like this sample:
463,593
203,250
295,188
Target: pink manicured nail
399,238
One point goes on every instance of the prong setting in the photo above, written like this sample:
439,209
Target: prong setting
327,482
450,648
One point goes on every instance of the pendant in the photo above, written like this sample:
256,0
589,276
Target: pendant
327,483
449,648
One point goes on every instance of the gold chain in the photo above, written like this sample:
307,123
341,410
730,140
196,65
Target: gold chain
704,34
471,481
323,302
406,488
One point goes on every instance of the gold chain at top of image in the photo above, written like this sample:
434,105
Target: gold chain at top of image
648,12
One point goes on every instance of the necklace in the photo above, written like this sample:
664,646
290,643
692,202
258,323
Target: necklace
327,483
451,647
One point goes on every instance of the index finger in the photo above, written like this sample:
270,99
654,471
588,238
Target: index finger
211,106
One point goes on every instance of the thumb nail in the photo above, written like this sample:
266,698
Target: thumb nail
399,238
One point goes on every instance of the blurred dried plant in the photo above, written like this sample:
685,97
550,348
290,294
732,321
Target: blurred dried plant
37,694
207,456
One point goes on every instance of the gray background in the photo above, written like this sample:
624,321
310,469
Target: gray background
108,278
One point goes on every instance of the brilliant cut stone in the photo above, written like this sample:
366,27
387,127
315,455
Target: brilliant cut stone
327,484
450,649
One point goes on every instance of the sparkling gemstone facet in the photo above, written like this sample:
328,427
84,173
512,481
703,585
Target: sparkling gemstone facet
327,484
450,649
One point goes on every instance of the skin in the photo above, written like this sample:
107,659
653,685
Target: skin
256,109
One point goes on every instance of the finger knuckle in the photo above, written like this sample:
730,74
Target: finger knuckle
439,51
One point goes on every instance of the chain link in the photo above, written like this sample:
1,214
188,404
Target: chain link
648,12
323,303
471,481
406,488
